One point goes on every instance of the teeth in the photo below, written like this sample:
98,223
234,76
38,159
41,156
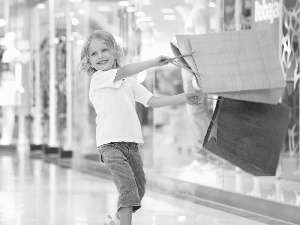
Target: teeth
102,62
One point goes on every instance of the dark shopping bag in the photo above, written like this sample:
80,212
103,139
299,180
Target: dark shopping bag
248,134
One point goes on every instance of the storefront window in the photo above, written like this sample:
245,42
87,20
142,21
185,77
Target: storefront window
179,131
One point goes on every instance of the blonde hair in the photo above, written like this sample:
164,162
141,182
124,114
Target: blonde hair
85,64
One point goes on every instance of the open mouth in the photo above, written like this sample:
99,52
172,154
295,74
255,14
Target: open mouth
102,62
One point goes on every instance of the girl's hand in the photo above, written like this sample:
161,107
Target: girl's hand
161,60
193,99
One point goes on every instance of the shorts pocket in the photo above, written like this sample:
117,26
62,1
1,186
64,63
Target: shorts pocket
101,158
104,148
100,154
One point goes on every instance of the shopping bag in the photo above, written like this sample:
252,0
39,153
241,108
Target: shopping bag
240,65
248,134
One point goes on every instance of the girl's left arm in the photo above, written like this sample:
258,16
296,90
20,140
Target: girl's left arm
189,98
135,68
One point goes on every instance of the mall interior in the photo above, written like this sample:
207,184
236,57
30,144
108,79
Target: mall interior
49,162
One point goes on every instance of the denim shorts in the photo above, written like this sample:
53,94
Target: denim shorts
125,164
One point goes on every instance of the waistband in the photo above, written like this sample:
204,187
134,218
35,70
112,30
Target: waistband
123,142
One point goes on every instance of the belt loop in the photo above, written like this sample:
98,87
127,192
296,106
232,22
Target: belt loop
128,148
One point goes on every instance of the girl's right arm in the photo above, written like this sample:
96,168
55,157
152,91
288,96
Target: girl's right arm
189,98
134,68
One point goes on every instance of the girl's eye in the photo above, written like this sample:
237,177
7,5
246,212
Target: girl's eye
94,53
104,50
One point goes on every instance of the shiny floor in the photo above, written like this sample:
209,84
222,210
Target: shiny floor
33,192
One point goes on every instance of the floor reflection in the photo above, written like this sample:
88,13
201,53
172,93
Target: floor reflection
46,194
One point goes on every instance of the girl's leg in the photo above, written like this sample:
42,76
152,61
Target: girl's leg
125,214
115,156
136,163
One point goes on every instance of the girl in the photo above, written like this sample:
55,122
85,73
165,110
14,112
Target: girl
113,93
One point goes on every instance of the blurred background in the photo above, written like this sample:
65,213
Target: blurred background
44,104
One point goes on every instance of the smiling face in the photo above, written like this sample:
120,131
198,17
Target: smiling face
100,55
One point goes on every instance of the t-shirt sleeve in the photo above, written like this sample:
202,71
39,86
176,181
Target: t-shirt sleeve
141,94
105,79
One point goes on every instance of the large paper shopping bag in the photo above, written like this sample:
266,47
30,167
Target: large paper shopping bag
240,65
248,134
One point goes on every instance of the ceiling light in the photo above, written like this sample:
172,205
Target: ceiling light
56,40
75,21
40,6
80,42
181,218
212,5
119,40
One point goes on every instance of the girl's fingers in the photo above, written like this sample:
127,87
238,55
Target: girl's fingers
164,61
165,58
195,99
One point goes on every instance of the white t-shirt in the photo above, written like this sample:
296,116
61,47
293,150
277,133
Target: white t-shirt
114,103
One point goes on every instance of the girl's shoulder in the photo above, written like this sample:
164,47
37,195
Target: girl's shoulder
105,79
